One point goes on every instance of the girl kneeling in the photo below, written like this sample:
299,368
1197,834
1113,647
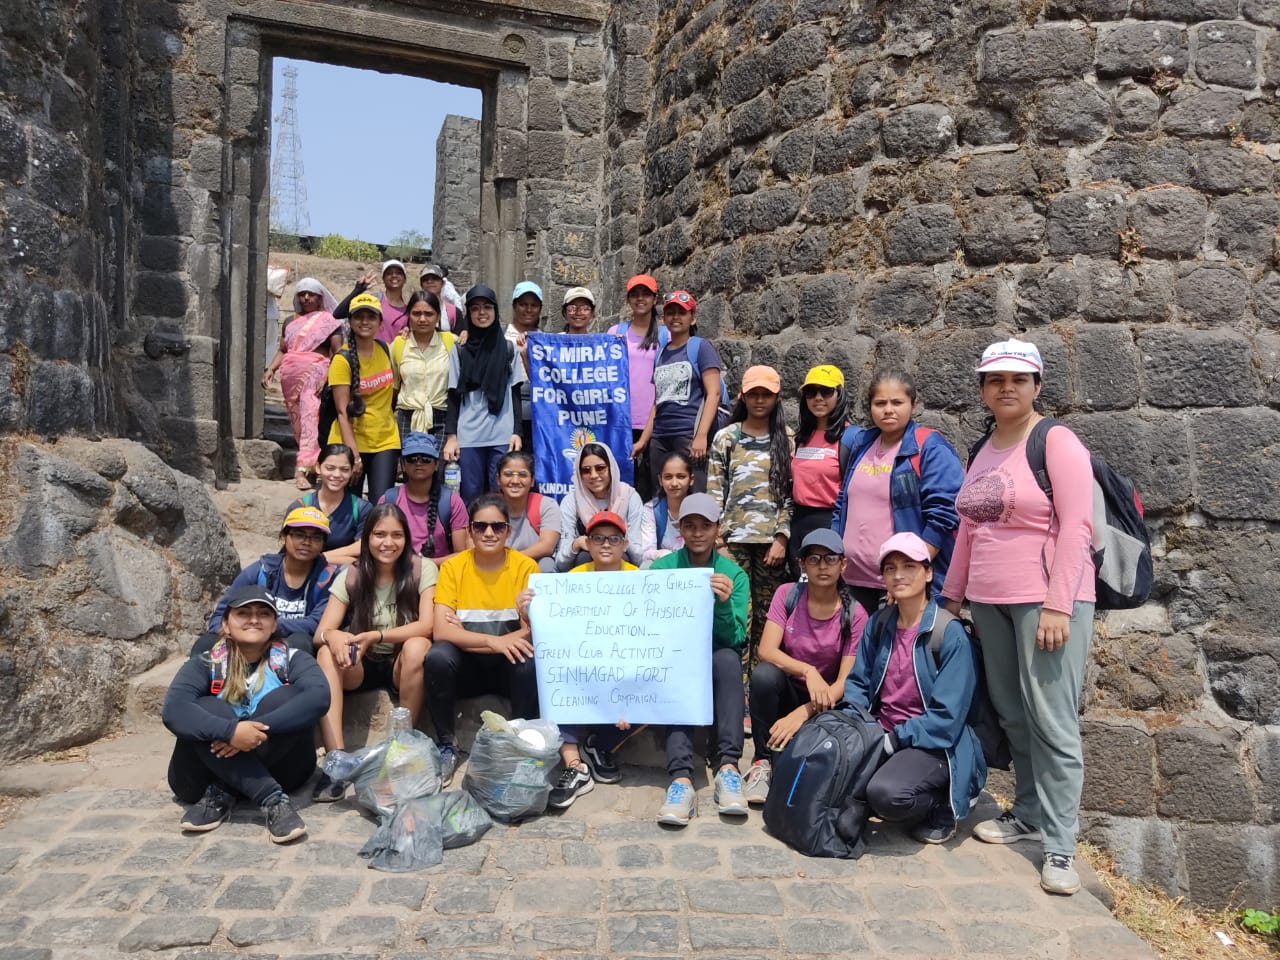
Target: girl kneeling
935,768
243,715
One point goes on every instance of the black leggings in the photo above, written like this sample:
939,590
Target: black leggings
453,672
379,474
773,696
283,762
909,785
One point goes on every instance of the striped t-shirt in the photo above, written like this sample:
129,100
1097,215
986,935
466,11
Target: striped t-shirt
485,600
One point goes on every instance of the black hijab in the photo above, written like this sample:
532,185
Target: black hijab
483,360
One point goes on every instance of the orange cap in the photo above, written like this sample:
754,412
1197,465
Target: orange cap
761,376
643,280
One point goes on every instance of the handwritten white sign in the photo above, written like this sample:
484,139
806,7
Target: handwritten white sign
632,646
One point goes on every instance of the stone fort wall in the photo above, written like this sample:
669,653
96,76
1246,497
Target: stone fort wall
455,232
860,183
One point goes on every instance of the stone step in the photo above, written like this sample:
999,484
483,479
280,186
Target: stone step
366,717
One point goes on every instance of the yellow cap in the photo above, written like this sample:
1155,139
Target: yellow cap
307,517
824,376
364,301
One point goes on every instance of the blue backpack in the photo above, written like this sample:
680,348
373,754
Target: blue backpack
321,584
724,409
444,506
664,335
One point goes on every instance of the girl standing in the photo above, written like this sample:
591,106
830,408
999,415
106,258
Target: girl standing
483,420
391,304
363,380
376,630
645,336
749,477
815,468
900,478
660,528
302,358
1025,565
422,364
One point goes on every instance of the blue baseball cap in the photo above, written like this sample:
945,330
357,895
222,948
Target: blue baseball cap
526,286
418,444
825,538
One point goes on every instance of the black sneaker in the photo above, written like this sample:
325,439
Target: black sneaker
327,790
573,783
938,827
283,822
604,767
209,811
448,764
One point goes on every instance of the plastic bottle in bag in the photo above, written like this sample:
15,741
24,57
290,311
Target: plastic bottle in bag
401,720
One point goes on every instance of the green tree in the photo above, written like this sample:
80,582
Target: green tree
408,244
334,246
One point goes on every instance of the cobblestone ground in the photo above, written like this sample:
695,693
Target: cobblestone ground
102,870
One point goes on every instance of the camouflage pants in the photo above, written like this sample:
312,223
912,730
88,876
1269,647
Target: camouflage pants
765,580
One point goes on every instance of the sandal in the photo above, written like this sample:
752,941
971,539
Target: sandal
301,479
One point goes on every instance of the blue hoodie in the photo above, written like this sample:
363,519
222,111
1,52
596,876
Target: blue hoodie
947,688
268,572
923,505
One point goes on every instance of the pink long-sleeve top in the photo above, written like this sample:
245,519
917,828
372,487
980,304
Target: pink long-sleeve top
1005,524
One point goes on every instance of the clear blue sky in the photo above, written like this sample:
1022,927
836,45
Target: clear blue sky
391,188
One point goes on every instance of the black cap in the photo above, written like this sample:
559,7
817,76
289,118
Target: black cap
248,593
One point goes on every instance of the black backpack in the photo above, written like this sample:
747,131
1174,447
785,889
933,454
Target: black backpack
982,714
817,800
1123,571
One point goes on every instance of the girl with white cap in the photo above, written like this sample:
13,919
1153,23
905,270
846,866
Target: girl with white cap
395,310
1024,564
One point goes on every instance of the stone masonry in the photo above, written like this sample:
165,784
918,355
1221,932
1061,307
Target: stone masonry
455,217
864,184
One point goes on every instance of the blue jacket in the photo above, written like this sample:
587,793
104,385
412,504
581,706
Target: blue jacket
268,572
947,687
924,505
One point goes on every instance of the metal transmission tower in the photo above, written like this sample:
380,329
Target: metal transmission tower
289,213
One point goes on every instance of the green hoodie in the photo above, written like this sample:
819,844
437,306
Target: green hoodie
729,621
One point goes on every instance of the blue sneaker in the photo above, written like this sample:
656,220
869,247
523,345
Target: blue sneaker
679,806
448,764
729,798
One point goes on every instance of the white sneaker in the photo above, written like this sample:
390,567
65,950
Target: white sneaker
757,783
1058,875
1005,828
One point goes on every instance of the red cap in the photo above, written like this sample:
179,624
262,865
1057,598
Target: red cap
682,299
643,280
609,517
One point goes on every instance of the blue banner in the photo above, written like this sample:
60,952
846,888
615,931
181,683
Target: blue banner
580,394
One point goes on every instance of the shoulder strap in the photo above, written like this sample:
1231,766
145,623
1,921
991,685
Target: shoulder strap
692,350
792,599
533,511
323,580
922,434
1036,440
664,335
278,656
942,619
661,514
444,512
973,451
262,576
622,328
355,510
218,667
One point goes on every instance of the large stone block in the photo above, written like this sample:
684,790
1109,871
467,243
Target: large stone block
1041,53
1140,48
950,358
989,174
1202,777
1119,767
1143,164
1245,227
775,208
797,51
57,173
1226,577
927,233
907,296
1073,112
1237,468
1046,293
832,198
1227,168
1216,295
1170,221
978,302
918,131
1186,10
1002,229
546,154
987,126
1227,54
1228,865
826,301
844,145
1264,748
1207,113
1244,675
1136,110
1197,368
1266,298
1106,367
1153,450
1085,221
544,105
1111,292
1265,12
1145,848
1146,671
793,156
751,120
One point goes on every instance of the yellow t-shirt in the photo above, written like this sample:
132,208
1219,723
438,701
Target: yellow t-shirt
384,602
376,428
590,567
485,600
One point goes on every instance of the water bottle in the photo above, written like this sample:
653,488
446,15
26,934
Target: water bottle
453,475
400,720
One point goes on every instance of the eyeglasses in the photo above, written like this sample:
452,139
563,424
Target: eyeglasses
497,526
419,458
306,536
588,471
821,559
813,390
609,539
516,475
579,308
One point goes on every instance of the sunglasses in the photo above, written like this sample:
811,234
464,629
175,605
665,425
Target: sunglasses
497,526
592,470
515,475
821,559
812,391
603,539
678,298
419,458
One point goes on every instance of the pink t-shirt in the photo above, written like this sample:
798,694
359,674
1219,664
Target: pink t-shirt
815,642
416,514
394,319
900,694
869,515
815,472
1005,524
640,375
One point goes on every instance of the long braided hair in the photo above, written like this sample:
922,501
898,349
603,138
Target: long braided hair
355,402
433,513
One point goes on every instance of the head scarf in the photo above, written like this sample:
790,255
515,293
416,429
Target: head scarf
619,493
329,302
483,362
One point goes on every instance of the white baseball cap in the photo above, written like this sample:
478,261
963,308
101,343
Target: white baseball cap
1012,355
